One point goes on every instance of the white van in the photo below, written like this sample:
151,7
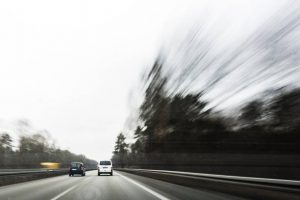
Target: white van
105,167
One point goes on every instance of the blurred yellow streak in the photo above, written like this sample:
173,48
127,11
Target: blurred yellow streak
50,165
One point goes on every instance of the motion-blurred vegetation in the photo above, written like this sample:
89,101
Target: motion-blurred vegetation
187,90
33,150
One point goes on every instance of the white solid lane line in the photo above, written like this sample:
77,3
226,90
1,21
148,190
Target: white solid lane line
144,188
63,193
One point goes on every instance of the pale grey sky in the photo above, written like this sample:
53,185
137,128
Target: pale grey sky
68,65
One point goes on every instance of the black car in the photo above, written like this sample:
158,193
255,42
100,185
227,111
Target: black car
77,168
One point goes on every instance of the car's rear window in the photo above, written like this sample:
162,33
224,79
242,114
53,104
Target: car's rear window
105,163
77,165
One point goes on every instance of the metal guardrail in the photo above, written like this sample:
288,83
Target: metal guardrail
11,176
249,187
31,171
10,172
282,182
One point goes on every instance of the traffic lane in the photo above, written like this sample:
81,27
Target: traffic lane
106,187
128,186
178,192
120,186
64,187
42,189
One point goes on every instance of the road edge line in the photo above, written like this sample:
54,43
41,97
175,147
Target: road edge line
144,188
63,193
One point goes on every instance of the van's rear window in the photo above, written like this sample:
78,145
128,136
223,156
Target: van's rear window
105,163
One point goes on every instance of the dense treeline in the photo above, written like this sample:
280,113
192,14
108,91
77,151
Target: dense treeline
181,124
180,117
34,149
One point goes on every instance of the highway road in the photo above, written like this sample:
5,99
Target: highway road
91,187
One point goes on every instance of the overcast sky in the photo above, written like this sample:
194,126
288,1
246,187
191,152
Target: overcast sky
68,66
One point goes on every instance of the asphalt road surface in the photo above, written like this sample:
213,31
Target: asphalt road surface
91,187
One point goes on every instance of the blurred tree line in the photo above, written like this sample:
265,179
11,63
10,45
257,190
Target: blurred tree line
189,79
180,123
34,149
